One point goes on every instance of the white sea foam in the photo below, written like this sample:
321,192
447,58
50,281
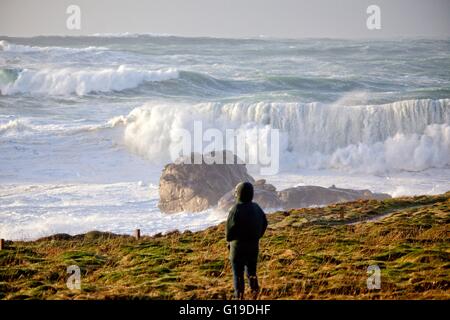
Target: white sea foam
10,47
128,35
66,81
32,210
35,210
409,152
18,48
13,126
406,135
24,127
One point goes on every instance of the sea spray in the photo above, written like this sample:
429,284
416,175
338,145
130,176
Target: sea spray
406,135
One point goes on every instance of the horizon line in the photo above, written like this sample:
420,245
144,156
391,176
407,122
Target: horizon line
256,37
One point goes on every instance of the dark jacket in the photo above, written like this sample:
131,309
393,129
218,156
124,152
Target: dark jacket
246,222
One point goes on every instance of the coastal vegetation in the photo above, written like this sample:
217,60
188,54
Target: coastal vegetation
310,253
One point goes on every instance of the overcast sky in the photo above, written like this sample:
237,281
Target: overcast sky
229,18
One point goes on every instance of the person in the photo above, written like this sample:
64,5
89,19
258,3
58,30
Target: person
246,224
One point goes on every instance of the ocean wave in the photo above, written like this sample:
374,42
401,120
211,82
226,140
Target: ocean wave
18,48
27,127
204,85
9,47
14,126
131,80
67,81
405,135
408,152
128,35
8,75
205,81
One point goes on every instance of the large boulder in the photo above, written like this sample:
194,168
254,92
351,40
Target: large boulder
187,186
306,196
264,194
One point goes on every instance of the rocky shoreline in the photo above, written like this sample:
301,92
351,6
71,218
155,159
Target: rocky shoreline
194,187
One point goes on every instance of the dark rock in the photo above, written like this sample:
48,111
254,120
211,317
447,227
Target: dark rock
264,194
306,196
197,187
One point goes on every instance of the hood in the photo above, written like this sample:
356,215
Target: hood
244,192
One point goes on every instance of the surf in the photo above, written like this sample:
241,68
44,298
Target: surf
404,135
65,81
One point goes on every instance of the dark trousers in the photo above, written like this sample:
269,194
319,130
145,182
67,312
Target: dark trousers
239,266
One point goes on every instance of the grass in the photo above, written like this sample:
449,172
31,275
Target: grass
314,253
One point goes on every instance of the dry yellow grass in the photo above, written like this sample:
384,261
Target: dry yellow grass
306,254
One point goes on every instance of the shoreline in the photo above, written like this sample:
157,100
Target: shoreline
310,253
69,208
110,235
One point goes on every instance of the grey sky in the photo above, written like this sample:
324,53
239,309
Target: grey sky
229,18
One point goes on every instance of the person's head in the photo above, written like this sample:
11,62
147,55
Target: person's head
244,192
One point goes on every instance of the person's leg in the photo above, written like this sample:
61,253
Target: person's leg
251,275
238,278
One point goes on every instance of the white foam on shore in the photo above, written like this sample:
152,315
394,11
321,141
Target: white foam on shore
30,211
33,210
428,182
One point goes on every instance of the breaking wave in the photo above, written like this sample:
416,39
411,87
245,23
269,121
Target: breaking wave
15,125
408,135
67,81
18,48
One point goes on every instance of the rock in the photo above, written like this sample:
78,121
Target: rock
186,186
299,197
305,196
264,194
261,184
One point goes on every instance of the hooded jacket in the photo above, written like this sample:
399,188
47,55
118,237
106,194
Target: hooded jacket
246,220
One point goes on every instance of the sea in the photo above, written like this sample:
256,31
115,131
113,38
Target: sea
87,123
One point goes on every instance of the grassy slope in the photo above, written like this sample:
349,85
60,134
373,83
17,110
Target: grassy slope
305,254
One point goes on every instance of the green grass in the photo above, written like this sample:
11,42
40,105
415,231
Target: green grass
310,253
